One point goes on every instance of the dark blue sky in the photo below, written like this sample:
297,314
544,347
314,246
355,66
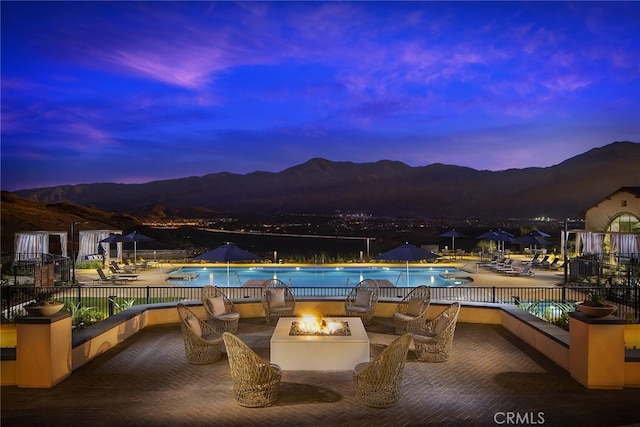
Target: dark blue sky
139,91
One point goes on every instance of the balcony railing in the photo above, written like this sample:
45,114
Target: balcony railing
110,299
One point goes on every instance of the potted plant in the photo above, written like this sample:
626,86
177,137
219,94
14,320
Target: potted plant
595,305
44,304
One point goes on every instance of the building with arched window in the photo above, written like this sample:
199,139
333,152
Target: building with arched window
617,213
609,245
612,227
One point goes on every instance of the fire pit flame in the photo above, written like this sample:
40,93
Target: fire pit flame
314,325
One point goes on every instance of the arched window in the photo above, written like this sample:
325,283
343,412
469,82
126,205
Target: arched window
624,223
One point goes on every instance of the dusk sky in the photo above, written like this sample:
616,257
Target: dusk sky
132,92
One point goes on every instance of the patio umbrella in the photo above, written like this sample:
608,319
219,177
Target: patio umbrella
538,233
136,237
497,236
227,253
453,234
114,238
529,239
406,253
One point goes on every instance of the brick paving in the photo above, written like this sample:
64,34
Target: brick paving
146,381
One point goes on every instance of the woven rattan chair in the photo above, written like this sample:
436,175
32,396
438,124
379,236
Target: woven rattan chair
277,300
433,343
378,383
202,344
256,382
410,314
222,314
362,300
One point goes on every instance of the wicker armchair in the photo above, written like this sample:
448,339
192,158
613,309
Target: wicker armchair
222,314
410,314
362,300
202,344
277,300
256,382
433,343
378,383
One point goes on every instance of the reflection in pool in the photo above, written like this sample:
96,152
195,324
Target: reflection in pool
319,276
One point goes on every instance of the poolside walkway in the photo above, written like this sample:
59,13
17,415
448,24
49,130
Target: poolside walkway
481,277
491,375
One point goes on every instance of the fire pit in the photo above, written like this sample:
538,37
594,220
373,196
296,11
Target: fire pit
332,344
317,326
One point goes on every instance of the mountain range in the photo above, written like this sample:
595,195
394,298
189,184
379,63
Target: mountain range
383,188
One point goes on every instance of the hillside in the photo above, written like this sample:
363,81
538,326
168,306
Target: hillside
19,214
388,188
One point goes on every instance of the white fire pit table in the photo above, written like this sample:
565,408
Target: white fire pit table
319,352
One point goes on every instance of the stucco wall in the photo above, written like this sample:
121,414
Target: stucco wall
598,217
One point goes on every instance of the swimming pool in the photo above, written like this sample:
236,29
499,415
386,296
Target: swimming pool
316,276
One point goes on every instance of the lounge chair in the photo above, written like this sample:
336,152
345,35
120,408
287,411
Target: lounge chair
202,344
378,382
524,271
123,275
410,314
277,300
362,300
507,266
493,261
538,263
117,270
554,266
550,265
108,279
129,267
434,342
222,314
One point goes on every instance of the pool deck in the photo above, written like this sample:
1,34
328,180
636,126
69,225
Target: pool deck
481,277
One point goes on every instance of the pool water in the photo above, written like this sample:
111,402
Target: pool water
321,276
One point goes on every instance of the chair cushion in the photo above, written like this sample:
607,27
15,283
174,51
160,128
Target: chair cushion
363,297
403,317
414,308
194,325
423,336
357,309
216,306
229,316
280,309
276,298
443,321
213,338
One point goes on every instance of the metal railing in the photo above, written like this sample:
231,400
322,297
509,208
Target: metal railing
103,298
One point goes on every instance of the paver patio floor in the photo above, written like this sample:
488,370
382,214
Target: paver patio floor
146,381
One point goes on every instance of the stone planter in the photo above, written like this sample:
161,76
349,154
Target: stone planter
593,311
44,310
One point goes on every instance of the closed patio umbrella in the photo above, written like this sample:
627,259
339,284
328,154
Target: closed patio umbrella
406,253
227,253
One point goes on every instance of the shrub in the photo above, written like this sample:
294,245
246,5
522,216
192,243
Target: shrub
82,317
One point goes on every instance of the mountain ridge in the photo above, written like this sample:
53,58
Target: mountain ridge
383,188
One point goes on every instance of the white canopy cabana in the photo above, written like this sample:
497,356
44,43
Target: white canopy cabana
30,245
89,242
626,245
